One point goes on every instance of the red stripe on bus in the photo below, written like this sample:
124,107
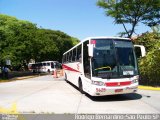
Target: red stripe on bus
113,84
69,68
125,83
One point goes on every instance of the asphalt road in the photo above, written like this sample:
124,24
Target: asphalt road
47,95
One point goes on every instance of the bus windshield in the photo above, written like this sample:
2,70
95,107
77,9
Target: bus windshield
113,58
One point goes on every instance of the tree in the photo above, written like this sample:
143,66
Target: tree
53,44
156,29
21,41
132,12
149,65
148,40
17,41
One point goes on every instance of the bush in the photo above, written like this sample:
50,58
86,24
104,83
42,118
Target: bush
149,65
150,68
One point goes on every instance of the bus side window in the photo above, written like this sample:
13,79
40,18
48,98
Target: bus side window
71,55
52,65
44,64
79,53
68,55
63,59
48,64
74,55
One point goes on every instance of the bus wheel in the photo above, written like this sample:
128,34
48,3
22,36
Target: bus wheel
48,71
66,78
80,86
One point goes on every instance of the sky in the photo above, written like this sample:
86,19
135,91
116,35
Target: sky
77,18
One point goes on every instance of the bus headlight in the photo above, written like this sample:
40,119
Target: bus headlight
98,83
134,81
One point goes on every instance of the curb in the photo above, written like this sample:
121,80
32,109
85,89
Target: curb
22,78
19,78
149,88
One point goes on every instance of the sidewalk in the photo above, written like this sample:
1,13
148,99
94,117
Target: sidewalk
20,75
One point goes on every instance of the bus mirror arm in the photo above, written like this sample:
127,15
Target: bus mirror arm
142,49
90,50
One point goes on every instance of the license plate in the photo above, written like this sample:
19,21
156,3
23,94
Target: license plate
119,90
128,73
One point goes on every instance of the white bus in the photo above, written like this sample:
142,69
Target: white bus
45,66
49,66
102,66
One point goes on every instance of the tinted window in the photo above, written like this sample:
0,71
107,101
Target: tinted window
78,58
52,65
63,59
86,60
113,58
70,58
68,55
74,55
44,64
48,64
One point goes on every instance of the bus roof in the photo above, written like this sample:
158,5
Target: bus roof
98,37
106,37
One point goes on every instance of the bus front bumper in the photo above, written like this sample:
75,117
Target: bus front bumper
103,90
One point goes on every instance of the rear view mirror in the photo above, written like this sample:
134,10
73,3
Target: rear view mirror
140,51
90,50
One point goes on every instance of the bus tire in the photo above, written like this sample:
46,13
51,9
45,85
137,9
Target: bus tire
65,77
80,86
48,71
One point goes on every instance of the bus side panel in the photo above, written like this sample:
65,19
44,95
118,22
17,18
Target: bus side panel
73,72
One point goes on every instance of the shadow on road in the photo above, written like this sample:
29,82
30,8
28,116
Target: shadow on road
123,97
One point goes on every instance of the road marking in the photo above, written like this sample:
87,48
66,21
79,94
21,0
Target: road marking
149,88
11,110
